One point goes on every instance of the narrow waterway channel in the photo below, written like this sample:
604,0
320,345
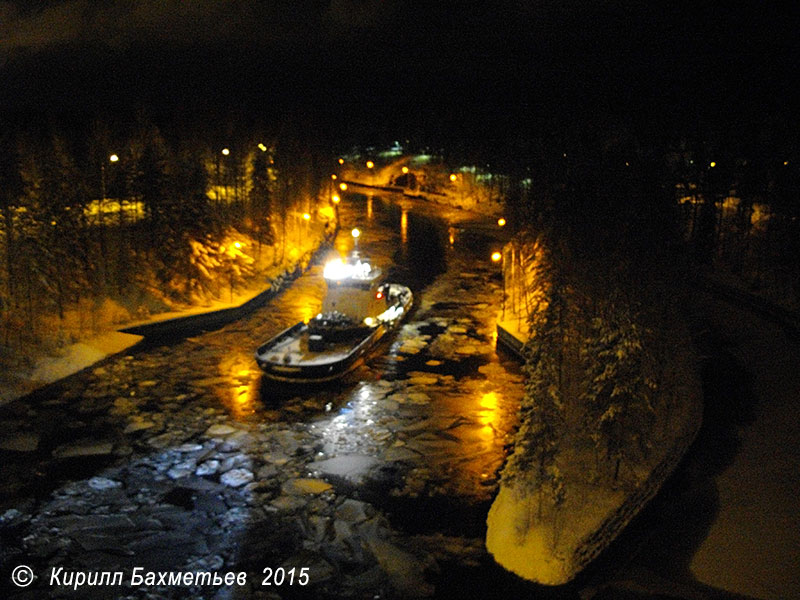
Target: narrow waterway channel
182,456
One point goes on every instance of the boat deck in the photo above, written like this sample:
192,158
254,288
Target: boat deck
292,350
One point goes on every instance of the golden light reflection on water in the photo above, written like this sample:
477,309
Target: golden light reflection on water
489,414
241,393
404,226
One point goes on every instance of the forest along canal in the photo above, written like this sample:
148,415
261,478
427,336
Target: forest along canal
183,456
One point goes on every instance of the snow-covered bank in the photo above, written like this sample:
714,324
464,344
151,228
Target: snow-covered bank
555,549
72,359
48,368
613,401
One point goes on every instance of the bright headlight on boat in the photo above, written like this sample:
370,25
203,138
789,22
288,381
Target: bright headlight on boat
336,269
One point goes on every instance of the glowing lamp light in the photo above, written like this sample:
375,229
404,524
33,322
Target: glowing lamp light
404,170
335,198
496,256
355,233
453,177
378,295
341,161
262,147
336,269
712,164
237,244
343,186
501,222
333,176
113,158
370,164
306,217
369,321
225,151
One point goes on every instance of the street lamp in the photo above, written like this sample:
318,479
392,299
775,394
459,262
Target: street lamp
356,233
501,222
497,257
371,166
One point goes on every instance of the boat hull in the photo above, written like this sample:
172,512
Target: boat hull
306,367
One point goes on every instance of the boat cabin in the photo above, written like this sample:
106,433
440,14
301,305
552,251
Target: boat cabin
353,289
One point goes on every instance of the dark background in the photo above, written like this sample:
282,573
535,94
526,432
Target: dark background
480,74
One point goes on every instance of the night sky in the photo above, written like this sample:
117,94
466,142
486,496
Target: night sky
395,68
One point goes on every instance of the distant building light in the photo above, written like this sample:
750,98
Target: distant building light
355,233
113,158
262,147
306,216
712,164
370,164
343,186
496,256
333,176
405,170
501,222
225,151
341,161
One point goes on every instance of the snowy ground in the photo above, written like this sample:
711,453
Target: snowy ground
753,545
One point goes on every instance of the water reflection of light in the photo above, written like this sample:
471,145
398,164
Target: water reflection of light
451,231
242,390
352,428
404,226
369,207
308,312
489,413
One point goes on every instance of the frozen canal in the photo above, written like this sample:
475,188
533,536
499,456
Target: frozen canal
183,458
